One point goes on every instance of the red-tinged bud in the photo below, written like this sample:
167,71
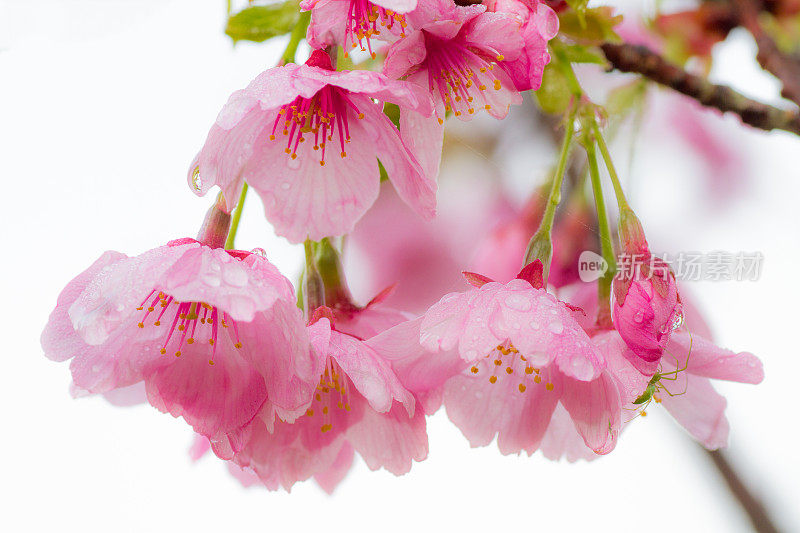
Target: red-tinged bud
631,234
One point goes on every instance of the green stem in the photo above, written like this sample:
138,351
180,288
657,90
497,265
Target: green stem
555,190
298,34
237,215
606,246
541,246
564,65
612,172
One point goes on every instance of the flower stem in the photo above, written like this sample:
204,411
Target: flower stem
612,172
237,215
606,246
541,246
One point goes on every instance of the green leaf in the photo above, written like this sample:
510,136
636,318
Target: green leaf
554,95
259,23
579,7
593,26
578,53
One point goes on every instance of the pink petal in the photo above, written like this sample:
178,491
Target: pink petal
423,137
413,185
481,410
701,411
710,361
330,478
390,440
59,339
371,374
303,199
594,407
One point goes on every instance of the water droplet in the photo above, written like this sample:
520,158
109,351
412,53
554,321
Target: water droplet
638,317
293,163
470,354
259,252
285,185
534,325
197,183
518,302
555,327
677,320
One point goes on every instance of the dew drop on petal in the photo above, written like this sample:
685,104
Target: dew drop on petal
518,302
233,274
638,317
555,327
259,252
197,183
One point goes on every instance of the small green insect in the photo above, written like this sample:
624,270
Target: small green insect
655,386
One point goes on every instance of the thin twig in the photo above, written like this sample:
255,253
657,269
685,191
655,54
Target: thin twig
769,56
640,60
749,502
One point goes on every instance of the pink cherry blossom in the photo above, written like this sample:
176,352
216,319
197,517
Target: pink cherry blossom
359,407
539,24
210,332
453,52
354,23
308,140
501,358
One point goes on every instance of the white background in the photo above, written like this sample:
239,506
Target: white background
102,106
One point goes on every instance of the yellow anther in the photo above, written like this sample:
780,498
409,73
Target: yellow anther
493,379
141,324
497,85
325,410
361,115
177,354
528,370
522,387
549,386
238,344
498,362
474,369
271,137
163,351
509,370
190,341
537,379
211,362
309,412
500,57
157,323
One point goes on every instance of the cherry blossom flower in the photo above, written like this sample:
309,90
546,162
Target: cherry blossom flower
308,140
210,332
354,23
359,406
502,357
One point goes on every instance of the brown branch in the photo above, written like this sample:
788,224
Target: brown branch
769,56
749,502
640,60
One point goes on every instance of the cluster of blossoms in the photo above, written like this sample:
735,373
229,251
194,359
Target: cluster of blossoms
285,393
